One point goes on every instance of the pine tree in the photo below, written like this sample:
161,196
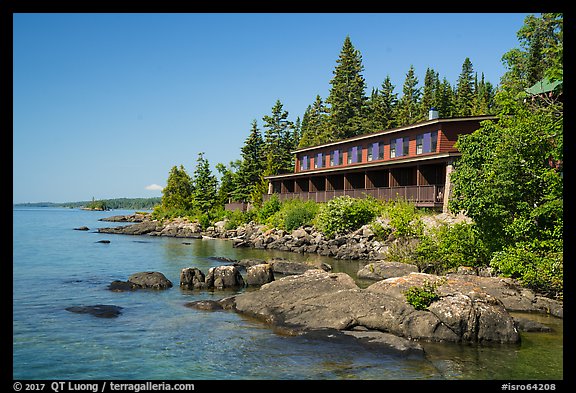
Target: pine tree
279,141
178,192
465,89
252,165
347,97
314,124
205,185
408,110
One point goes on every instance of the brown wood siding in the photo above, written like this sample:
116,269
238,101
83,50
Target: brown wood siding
447,135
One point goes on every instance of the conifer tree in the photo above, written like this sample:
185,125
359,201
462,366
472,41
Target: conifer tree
382,106
279,141
347,97
314,124
178,191
408,110
445,99
228,182
205,185
465,89
428,99
252,166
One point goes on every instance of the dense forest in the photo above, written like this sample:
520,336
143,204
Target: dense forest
509,179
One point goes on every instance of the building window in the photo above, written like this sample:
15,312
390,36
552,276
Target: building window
375,151
354,154
427,142
398,147
336,157
304,163
405,146
319,161
419,142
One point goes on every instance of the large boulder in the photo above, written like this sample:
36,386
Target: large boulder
224,277
151,280
192,278
259,274
322,300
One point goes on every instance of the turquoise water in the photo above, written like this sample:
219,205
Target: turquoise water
157,337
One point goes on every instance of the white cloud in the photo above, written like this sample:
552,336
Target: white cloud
154,187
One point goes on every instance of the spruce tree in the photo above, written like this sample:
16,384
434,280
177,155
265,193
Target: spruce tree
347,97
429,96
177,195
382,105
408,110
314,124
279,141
252,165
205,185
465,89
228,182
445,99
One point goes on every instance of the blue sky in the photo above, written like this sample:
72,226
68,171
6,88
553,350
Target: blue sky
106,104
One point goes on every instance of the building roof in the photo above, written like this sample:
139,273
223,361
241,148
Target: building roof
543,86
393,130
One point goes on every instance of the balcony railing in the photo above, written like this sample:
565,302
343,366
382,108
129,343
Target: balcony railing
423,196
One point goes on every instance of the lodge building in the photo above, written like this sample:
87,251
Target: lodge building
411,162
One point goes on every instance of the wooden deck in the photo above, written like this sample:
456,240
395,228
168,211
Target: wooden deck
422,196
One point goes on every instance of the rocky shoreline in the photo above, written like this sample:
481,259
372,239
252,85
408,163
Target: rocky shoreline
297,298
361,244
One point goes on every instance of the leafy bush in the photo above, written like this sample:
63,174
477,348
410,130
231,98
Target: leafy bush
237,218
299,214
449,246
268,208
345,214
421,297
293,213
540,270
403,218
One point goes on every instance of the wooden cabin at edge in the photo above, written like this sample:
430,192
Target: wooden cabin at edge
411,162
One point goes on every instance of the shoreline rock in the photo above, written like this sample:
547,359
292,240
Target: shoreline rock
318,300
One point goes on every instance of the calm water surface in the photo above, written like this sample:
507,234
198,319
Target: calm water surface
157,337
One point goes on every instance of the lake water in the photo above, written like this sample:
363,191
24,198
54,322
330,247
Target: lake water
157,338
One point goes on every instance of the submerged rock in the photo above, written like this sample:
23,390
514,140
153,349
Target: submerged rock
99,310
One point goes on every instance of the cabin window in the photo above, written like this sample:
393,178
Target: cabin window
319,162
375,151
427,142
354,154
304,163
336,157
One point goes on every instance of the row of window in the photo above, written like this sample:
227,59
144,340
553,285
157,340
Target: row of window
425,143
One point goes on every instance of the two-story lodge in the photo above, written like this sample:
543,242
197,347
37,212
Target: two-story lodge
411,162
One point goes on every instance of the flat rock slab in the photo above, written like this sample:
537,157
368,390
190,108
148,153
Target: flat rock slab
98,310
321,300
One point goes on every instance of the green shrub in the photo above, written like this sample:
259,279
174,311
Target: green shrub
381,232
237,218
539,270
345,214
449,246
403,218
293,213
421,297
268,208
297,214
